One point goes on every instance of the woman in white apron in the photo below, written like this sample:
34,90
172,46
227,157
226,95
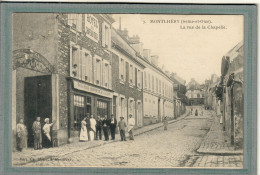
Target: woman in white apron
83,132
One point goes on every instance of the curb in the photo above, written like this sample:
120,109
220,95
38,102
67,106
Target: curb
216,152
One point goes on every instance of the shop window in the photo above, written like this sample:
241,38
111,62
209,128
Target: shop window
102,108
79,111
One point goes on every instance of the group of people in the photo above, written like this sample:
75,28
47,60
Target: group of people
41,134
94,129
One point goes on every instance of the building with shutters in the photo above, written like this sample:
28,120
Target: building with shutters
127,79
61,70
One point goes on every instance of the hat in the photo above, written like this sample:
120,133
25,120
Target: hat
47,119
122,117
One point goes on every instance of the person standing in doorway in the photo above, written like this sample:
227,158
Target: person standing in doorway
92,131
47,140
113,123
83,132
21,131
122,127
37,133
99,128
105,126
131,124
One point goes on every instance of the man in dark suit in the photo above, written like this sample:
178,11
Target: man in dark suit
105,126
99,128
113,123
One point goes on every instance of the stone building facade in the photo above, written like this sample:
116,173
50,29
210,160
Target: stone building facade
52,76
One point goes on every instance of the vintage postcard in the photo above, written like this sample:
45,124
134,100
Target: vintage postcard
114,90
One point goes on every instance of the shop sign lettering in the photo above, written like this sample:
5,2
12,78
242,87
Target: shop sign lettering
92,27
95,90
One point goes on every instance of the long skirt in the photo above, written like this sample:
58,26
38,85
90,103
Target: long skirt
83,134
91,135
21,142
46,143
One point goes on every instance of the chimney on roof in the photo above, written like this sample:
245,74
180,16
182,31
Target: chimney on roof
154,60
147,54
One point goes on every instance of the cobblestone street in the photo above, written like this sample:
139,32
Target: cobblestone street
175,147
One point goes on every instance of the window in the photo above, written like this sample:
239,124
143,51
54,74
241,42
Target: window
131,74
145,80
79,111
102,108
75,67
149,82
134,77
156,84
198,95
106,75
98,72
88,73
163,90
106,35
160,87
122,70
152,83
139,79
75,21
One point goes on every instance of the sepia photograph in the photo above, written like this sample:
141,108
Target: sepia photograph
127,90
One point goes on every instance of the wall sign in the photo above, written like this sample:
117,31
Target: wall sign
92,27
92,89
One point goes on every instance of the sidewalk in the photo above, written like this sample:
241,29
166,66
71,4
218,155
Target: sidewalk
30,155
214,142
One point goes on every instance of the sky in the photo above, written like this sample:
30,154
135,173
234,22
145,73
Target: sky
192,50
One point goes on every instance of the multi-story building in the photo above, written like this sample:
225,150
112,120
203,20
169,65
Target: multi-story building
232,73
195,93
62,70
157,91
127,79
179,91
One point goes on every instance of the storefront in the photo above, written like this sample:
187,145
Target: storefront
86,99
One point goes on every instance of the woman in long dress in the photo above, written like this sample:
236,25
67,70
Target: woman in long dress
83,132
21,135
92,128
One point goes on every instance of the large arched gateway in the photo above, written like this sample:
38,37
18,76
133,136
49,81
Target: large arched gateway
33,87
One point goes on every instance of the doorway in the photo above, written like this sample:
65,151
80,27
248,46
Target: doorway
37,101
